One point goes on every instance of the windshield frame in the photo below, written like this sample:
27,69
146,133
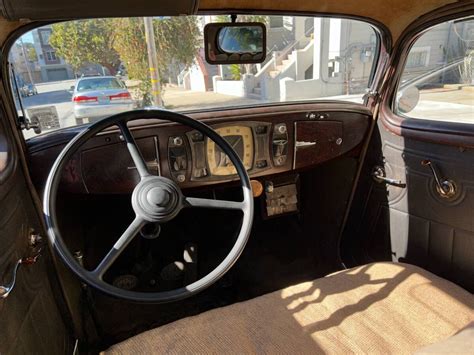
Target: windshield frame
381,55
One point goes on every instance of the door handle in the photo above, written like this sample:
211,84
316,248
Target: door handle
378,174
303,144
6,289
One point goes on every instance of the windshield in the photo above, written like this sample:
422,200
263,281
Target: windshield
98,84
62,70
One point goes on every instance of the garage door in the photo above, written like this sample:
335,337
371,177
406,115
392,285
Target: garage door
57,74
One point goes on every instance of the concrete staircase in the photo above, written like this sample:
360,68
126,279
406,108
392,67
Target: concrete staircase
283,64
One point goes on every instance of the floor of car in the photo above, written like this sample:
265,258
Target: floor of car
281,251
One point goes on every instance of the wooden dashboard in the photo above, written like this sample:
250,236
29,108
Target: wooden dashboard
270,140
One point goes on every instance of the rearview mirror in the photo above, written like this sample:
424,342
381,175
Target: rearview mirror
235,43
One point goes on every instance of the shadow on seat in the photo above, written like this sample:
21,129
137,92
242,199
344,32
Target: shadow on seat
382,308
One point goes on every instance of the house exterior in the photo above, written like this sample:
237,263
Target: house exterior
20,62
441,45
310,58
51,66
47,66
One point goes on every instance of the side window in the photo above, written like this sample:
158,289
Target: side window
5,154
437,82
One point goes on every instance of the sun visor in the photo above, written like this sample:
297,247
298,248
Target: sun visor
72,9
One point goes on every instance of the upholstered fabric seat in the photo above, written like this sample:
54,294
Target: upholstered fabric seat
376,308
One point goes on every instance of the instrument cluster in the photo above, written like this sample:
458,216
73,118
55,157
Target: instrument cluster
252,141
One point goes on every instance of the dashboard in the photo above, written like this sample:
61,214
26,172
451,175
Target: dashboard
269,140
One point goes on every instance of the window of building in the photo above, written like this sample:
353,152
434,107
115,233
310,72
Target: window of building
51,56
418,57
438,79
45,34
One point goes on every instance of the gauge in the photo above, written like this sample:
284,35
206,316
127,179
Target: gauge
241,140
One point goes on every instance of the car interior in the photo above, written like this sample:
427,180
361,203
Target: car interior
303,183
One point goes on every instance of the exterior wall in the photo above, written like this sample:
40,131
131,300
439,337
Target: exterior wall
442,44
45,65
358,44
270,88
307,89
430,42
304,59
229,87
196,79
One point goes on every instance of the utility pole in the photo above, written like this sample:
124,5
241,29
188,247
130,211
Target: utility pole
153,62
26,62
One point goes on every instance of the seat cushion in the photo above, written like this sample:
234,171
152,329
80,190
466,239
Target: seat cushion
376,308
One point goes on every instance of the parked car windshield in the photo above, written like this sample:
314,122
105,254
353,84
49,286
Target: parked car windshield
308,58
98,84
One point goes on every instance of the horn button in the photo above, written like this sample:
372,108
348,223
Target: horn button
157,199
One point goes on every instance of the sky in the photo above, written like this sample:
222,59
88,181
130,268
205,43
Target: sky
28,37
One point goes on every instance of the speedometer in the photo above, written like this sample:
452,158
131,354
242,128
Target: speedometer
241,140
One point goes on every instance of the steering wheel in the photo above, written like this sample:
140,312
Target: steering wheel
155,199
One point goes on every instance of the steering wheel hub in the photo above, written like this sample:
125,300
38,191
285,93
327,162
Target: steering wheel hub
157,199
158,196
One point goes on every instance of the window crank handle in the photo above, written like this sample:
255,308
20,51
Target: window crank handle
445,187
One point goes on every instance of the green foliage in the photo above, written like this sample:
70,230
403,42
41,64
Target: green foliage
129,41
254,18
85,41
235,71
177,40
111,41
221,18
31,52
241,18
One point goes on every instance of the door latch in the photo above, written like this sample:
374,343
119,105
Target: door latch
378,174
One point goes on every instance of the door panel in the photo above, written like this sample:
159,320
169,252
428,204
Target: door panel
425,115
30,321
415,224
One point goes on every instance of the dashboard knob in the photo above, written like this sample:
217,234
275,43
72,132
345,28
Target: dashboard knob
257,188
281,129
178,141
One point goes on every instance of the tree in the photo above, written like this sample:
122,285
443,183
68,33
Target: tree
129,41
85,41
111,41
177,41
31,52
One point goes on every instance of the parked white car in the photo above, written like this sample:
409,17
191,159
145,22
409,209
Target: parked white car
97,97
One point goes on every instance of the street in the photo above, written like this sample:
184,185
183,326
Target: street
433,103
57,94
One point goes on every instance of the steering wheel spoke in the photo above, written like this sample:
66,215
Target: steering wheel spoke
154,199
119,246
210,203
132,147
